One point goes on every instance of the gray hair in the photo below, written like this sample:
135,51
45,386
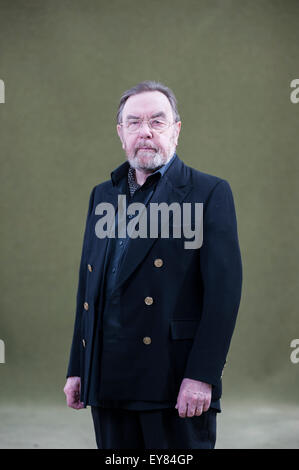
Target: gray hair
148,85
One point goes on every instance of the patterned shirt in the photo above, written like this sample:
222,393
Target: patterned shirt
133,185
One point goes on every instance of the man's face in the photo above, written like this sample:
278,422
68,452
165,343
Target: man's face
148,149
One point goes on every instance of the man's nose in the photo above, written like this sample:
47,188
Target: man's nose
145,130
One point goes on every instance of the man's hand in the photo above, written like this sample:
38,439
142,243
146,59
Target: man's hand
72,392
194,397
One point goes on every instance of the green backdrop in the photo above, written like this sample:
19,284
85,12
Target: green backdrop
65,64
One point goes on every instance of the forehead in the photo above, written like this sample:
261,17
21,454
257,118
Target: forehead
146,104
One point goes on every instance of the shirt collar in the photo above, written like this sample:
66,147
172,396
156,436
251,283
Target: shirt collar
123,170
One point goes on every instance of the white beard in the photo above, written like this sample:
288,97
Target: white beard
149,160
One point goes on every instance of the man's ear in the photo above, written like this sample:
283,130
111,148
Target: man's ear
120,135
177,131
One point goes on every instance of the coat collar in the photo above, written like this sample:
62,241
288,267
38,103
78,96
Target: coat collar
176,174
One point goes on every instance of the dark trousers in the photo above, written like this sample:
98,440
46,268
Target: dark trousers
117,428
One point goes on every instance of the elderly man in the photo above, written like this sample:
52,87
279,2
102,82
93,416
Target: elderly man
154,318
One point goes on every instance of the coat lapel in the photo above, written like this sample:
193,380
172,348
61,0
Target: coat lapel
99,250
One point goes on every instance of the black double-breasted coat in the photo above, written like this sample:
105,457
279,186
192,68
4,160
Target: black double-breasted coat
177,314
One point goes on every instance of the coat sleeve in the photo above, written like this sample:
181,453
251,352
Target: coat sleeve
221,272
74,360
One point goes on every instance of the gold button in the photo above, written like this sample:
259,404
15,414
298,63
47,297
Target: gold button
84,343
158,262
147,340
89,267
85,305
148,300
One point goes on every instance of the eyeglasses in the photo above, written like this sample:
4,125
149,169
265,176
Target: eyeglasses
157,125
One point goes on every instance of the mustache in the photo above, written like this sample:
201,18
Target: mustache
144,144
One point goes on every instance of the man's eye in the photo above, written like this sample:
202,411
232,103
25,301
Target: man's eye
158,123
133,123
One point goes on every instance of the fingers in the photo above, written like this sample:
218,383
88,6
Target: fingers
73,399
76,405
192,406
207,405
194,398
189,410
